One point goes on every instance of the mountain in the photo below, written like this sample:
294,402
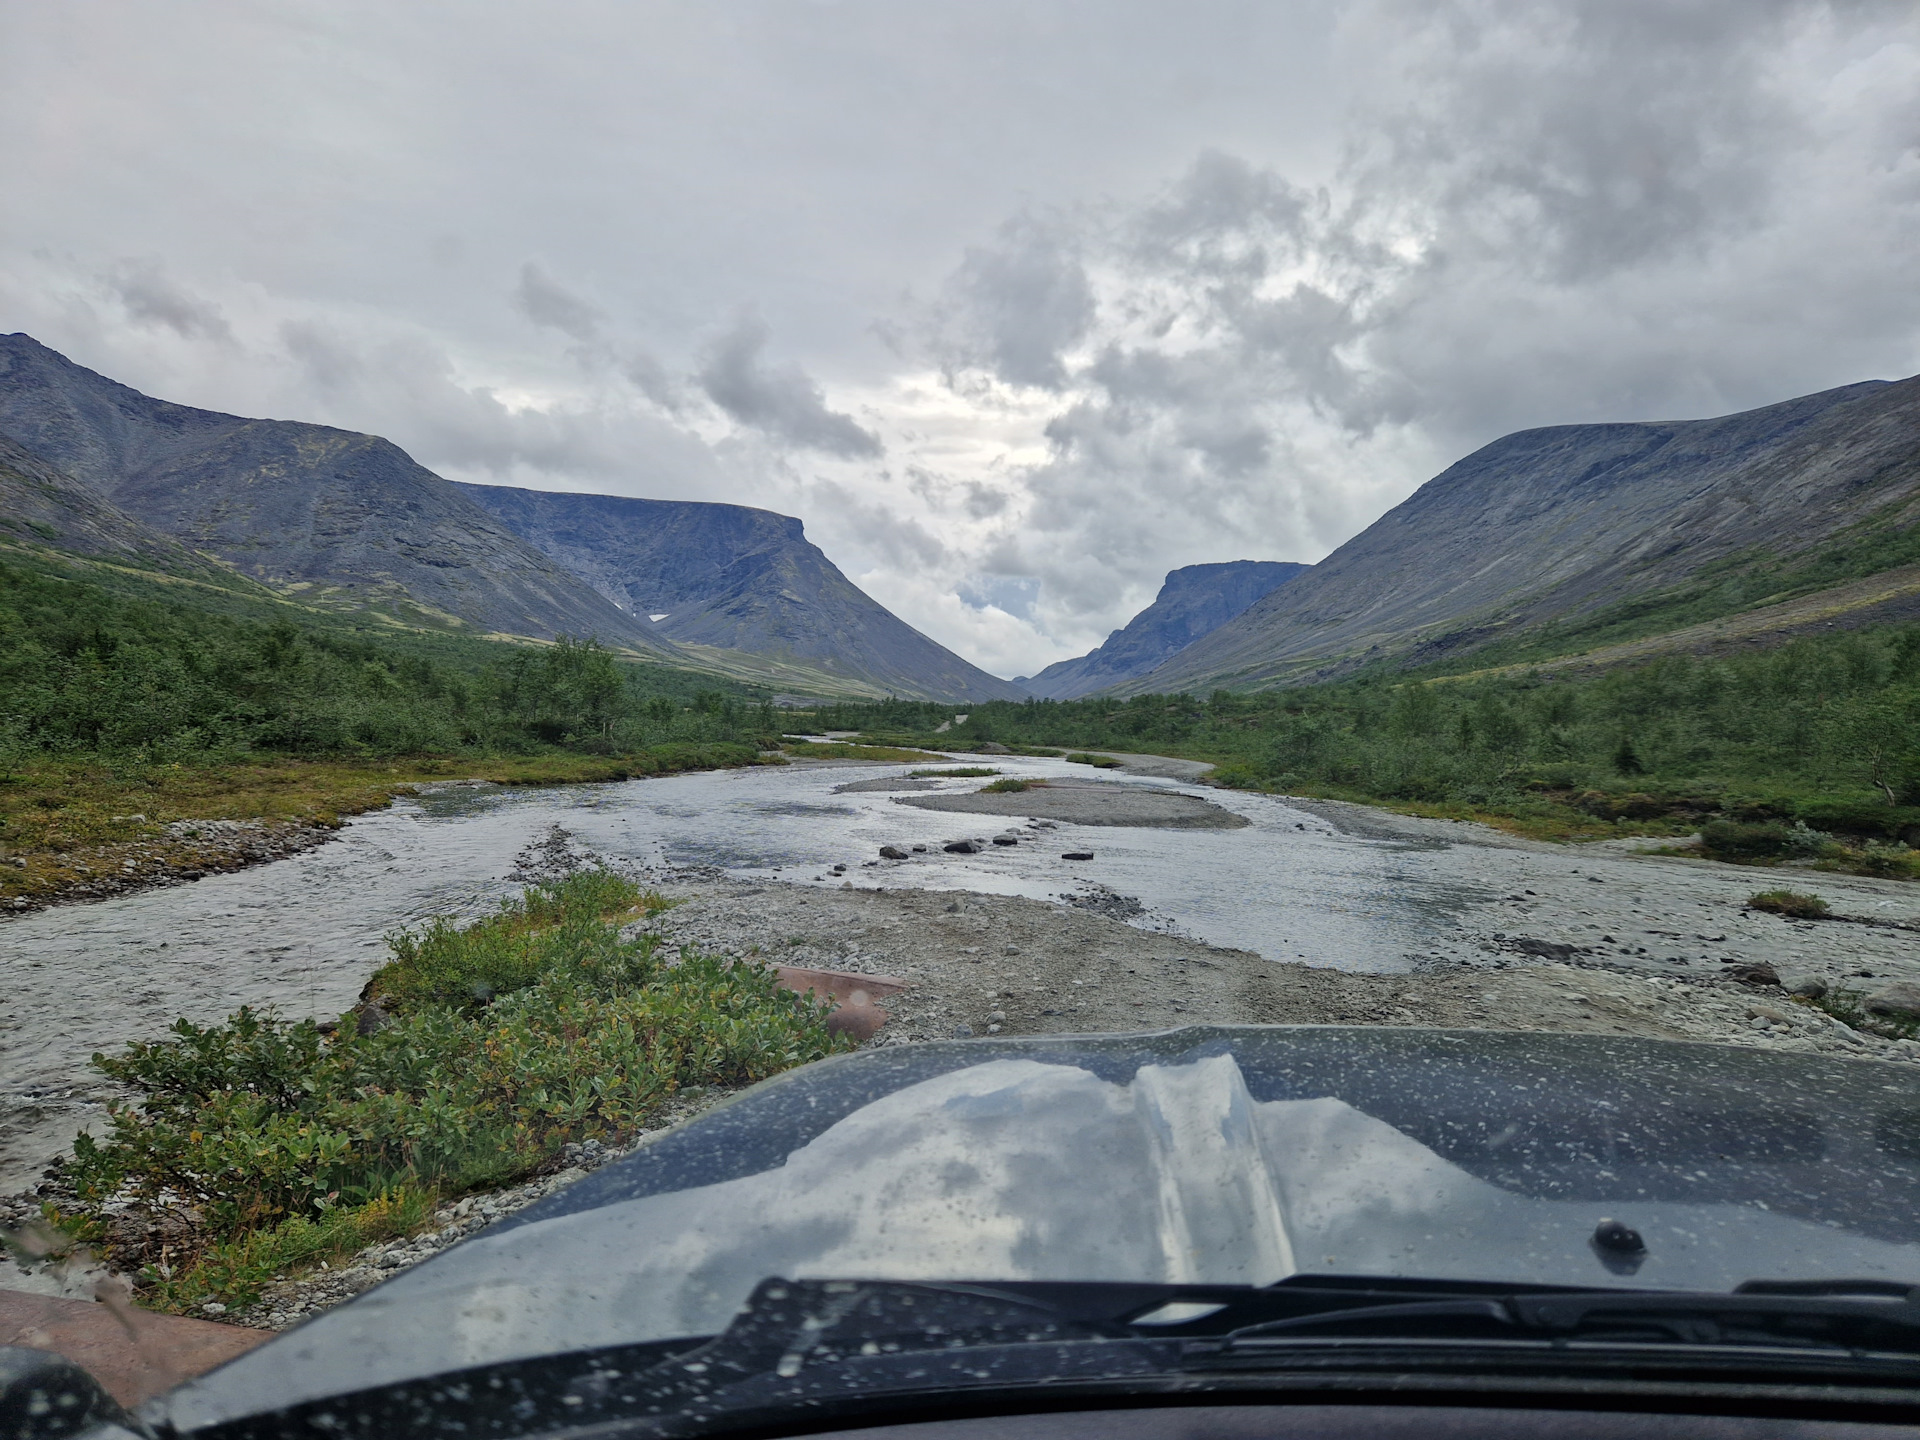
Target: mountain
337,519
731,578
1195,600
1597,531
43,506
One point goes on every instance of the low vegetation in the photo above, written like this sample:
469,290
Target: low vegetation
124,711
1808,754
1010,785
261,1144
834,750
956,772
1794,904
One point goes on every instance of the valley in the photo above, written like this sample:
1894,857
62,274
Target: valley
280,702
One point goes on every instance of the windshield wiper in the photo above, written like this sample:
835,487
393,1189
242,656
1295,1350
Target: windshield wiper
1848,1316
835,1346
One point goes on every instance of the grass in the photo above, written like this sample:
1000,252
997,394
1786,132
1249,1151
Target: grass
957,772
260,1145
1849,1007
62,820
1010,786
1794,904
1102,762
836,750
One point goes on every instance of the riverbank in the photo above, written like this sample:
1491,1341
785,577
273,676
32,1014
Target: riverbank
88,829
994,964
1522,935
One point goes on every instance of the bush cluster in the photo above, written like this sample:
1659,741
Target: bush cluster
1824,730
508,1039
84,670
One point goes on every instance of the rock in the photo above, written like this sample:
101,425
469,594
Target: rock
1545,949
998,1017
992,747
962,847
919,849
1811,988
1077,855
1006,839
893,852
962,1031
1754,972
1902,998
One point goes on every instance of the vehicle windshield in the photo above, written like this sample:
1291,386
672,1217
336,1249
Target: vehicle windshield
1248,1158
706,707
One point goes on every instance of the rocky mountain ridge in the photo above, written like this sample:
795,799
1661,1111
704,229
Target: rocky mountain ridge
1557,526
336,519
729,577
42,507
1194,600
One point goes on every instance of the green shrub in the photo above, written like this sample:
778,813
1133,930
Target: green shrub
1791,903
1103,762
258,1125
549,929
954,773
1733,840
1008,786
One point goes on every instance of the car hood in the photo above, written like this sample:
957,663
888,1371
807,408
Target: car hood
1230,1155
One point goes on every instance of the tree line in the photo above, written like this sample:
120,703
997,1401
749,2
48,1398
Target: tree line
83,669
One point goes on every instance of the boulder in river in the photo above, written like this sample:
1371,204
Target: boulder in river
962,847
892,852
1755,972
1078,855
1900,1000
1006,839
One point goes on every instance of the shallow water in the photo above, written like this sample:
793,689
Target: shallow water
303,933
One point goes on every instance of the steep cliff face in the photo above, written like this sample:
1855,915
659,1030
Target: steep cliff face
1195,601
341,520
42,506
739,579
1558,524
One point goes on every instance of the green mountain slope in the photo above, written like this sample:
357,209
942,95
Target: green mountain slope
1554,540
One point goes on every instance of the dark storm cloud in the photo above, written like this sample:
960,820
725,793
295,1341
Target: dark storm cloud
546,302
1024,299
781,401
151,297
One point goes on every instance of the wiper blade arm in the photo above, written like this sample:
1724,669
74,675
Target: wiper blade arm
1760,1316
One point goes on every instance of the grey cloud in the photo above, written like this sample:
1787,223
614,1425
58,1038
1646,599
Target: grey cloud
1024,299
407,389
546,302
1015,594
1549,213
151,297
649,377
900,541
783,402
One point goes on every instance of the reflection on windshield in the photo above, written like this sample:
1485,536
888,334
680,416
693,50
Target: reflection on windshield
1032,1169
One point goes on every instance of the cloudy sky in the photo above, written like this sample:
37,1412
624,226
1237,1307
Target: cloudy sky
1017,303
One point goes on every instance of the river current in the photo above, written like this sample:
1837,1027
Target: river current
303,934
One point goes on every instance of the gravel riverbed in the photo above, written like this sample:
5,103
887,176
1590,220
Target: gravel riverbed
1590,939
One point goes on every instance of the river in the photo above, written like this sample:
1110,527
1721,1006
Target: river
303,934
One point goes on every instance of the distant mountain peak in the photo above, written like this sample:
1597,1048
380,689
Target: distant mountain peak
340,519
735,578
1570,522
1193,601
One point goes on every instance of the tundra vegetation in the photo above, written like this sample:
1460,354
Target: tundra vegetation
1809,753
257,1147
124,710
